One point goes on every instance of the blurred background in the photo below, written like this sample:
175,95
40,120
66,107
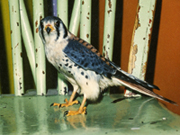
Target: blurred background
163,63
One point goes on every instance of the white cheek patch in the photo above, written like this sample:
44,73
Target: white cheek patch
49,38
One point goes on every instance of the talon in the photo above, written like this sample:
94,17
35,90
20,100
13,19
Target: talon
65,113
55,104
59,105
85,112
52,104
79,102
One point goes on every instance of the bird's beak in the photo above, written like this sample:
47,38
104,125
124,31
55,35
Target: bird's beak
49,28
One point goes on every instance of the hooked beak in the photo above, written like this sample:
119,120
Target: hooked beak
49,28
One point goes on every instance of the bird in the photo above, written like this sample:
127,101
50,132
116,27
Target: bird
84,67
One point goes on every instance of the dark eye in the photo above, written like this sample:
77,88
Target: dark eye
57,24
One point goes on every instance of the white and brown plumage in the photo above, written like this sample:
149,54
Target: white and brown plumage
83,66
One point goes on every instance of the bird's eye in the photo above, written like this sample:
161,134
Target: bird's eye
57,24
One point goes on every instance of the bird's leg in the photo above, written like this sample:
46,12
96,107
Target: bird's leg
68,103
81,110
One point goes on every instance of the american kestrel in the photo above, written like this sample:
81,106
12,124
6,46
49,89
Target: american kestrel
84,67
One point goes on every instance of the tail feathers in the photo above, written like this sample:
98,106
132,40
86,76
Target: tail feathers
145,91
130,78
167,100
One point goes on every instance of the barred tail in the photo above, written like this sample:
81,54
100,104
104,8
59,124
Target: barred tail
145,91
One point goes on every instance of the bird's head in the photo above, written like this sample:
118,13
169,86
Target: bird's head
52,29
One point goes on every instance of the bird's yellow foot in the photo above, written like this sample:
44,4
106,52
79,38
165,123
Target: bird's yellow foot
79,111
65,104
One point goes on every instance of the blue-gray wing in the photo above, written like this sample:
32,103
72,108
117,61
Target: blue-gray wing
87,59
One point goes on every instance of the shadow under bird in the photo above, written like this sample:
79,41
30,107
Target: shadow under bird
84,67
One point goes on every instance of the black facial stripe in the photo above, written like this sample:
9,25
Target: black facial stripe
58,34
65,31
42,26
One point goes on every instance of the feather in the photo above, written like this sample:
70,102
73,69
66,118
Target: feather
87,59
79,53
130,78
145,91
